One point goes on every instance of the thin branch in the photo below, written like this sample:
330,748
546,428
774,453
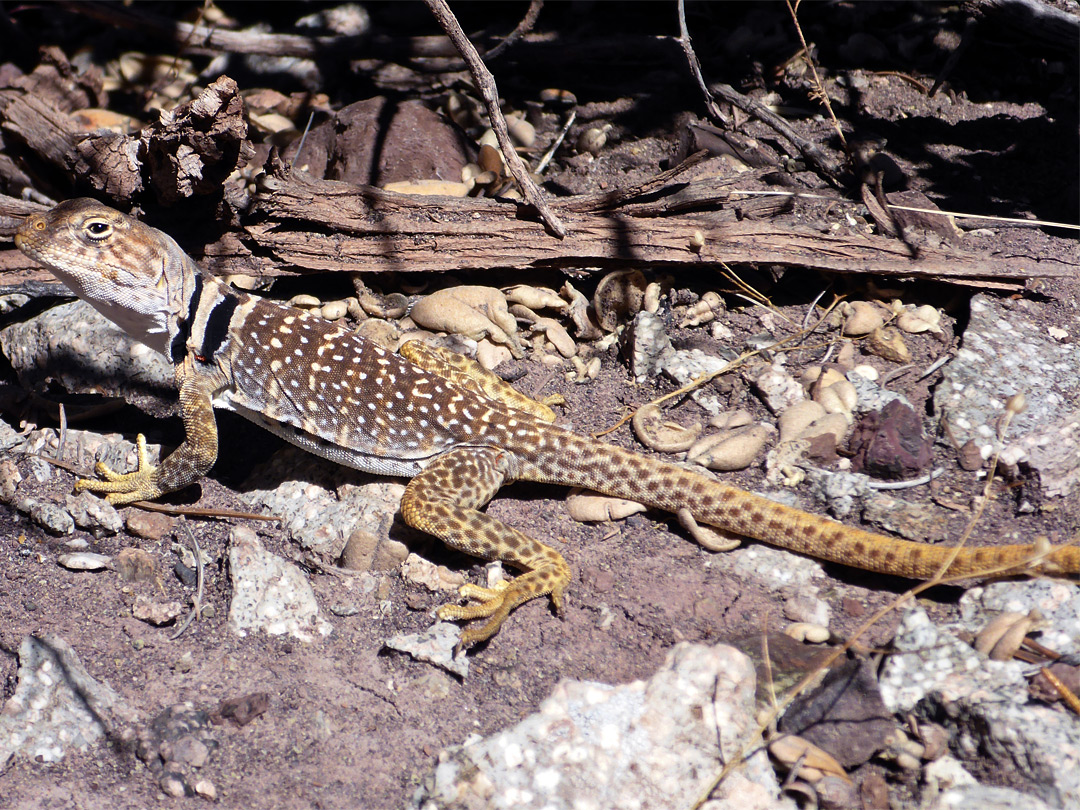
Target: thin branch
485,83
818,84
695,67
808,149
197,599
523,27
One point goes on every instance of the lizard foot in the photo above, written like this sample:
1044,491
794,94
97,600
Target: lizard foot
495,604
121,488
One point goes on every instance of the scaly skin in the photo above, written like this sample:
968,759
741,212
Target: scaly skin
459,431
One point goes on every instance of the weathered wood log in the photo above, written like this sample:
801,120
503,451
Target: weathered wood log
321,225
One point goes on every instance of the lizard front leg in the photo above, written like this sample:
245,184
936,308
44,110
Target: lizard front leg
186,464
443,501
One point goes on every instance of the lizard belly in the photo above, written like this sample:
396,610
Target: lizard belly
359,458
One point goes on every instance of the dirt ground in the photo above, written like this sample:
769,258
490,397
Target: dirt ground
350,724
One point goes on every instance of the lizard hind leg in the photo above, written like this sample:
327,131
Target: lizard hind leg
470,375
443,500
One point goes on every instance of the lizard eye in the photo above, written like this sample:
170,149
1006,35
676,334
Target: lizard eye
98,229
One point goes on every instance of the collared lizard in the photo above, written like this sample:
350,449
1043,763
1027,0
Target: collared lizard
458,431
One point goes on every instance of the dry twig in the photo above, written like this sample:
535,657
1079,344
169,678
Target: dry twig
695,67
523,27
197,599
485,83
819,86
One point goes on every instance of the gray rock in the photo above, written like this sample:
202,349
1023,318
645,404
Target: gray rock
982,797
648,346
1049,455
322,504
651,353
1007,350
269,593
686,365
920,522
366,551
57,707
47,515
86,353
841,492
930,659
776,568
435,645
871,397
94,513
648,745
938,675
9,437
943,774
777,388
10,478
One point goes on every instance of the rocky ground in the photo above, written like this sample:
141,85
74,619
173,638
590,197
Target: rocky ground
152,660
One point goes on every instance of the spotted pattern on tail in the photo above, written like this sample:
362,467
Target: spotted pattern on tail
619,473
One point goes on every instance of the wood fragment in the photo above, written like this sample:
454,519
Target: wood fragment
322,225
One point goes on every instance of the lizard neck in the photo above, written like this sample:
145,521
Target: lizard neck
202,313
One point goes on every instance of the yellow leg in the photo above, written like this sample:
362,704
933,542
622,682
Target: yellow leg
472,376
125,487
185,465
443,500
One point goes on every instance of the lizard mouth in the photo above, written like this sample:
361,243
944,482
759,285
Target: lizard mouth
26,243
29,242
24,237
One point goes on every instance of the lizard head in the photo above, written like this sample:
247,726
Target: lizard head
131,273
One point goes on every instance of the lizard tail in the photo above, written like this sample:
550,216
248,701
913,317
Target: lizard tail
616,472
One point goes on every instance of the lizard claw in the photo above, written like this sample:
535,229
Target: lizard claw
122,488
495,604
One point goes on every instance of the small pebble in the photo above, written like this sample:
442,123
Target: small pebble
206,789
344,610
84,561
172,785
134,565
149,525
186,575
